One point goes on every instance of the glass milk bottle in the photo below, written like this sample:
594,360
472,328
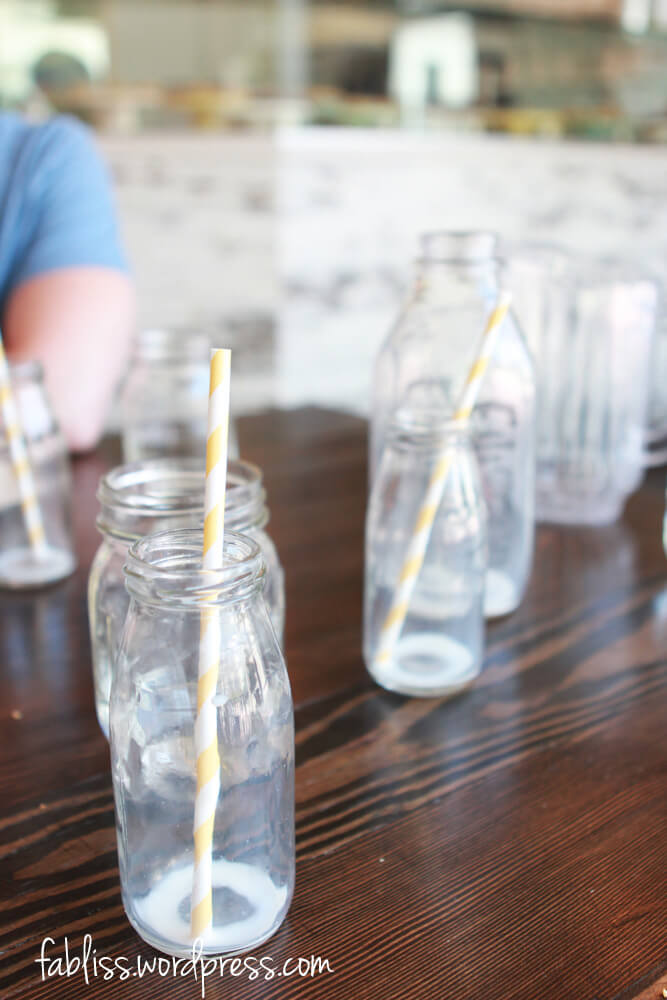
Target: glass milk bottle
164,400
20,566
144,497
423,365
440,646
153,751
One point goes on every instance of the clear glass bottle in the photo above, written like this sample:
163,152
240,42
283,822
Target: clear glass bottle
441,644
423,365
153,753
144,497
47,453
589,325
164,400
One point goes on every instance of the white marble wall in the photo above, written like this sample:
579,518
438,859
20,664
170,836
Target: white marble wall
297,248
198,217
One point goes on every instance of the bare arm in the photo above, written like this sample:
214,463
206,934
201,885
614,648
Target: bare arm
78,322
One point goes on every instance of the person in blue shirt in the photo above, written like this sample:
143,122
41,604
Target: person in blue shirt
66,297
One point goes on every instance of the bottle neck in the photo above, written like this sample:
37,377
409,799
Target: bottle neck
37,420
452,282
245,506
165,570
454,266
142,497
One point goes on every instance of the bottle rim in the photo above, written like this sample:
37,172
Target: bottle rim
165,570
163,488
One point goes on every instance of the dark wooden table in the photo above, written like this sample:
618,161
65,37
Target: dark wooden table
510,843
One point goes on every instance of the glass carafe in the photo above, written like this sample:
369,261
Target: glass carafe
422,366
589,324
144,497
440,646
153,749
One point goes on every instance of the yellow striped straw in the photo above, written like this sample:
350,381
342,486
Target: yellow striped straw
18,453
393,623
206,723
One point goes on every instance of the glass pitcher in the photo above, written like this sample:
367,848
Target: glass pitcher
440,647
422,366
144,497
590,325
153,750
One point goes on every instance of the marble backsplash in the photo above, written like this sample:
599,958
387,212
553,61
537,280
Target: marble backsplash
296,248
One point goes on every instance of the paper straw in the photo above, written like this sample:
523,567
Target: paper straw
206,723
20,463
393,623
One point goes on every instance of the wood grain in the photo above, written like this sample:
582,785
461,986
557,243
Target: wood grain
509,843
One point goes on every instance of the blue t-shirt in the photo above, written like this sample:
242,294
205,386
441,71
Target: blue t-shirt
56,204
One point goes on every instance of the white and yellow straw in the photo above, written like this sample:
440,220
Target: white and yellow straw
20,462
393,623
206,726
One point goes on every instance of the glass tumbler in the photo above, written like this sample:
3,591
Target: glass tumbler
423,365
20,567
153,749
590,327
440,648
144,497
164,400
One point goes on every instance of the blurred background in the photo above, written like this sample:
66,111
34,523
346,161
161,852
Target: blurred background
274,160
589,68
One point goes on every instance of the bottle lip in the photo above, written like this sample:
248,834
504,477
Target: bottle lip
458,246
172,343
165,570
161,488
